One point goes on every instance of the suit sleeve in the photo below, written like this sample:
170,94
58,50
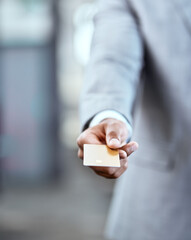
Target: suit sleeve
113,73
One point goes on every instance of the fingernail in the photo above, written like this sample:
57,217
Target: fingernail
114,141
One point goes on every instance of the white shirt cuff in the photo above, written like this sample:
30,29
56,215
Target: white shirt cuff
111,114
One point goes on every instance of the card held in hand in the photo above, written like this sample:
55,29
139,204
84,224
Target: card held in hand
101,156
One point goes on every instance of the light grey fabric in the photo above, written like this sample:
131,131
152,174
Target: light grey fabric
152,200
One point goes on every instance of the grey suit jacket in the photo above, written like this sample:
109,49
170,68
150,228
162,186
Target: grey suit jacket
140,66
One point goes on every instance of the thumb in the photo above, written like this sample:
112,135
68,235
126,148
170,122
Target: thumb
113,142
114,138
116,133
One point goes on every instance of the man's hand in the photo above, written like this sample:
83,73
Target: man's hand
113,133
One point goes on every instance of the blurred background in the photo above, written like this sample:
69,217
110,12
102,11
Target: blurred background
45,192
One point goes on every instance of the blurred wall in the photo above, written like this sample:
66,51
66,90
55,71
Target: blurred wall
29,91
44,47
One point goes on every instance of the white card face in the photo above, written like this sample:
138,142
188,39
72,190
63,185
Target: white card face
100,155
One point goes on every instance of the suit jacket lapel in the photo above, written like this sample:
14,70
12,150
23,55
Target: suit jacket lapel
183,7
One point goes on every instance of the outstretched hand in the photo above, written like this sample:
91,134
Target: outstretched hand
114,134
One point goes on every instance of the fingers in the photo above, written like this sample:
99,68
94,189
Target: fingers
116,133
123,168
111,172
129,148
104,170
122,154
